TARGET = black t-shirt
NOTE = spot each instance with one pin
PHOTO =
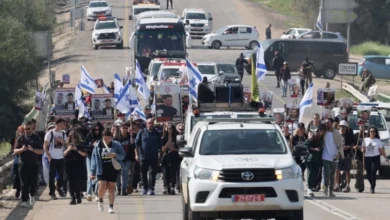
(168, 111)
(103, 151)
(89, 141)
(349, 140)
(29, 157)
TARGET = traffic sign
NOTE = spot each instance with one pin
(348, 69)
(340, 4)
(336, 16)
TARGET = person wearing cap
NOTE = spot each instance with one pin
(298, 139)
(148, 111)
(285, 75)
(345, 163)
(277, 64)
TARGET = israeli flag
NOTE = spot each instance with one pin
(261, 68)
(306, 102)
(140, 82)
(319, 21)
(138, 113)
(118, 86)
(133, 98)
(194, 79)
(123, 100)
(78, 96)
(83, 110)
(87, 83)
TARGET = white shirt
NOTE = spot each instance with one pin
(372, 146)
(330, 151)
(56, 149)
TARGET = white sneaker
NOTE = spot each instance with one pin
(310, 193)
(110, 210)
(24, 204)
(89, 198)
(100, 207)
(96, 199)
(32, 200)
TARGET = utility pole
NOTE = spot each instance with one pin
(74, 16)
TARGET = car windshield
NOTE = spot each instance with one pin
(196, 16)
(106, 25)
(169, 72)
(162, 40)
(155, 68)
(195, 120)
(206, 69)
(221, 30)
(374, 120)
(98, 4)
(242, 141)
(140, 10)
(226, 68)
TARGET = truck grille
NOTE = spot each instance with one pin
(106, 36)
(227, 192)
(99, 12)
(235, 175)
(197, 25)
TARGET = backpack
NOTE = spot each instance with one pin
(52, 136)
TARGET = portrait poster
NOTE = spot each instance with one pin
(326, 113)
(346, 106)
(292, 113)
(294, 87)
(168, 103)
(329, 96)
(278, 114)
(102, 108)
(99, 83)
(266, 97)
(363, 114)
(39, 100)
(64, 104)
(320, 97)
(65, 78)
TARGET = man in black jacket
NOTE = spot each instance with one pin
(277, 64)
(29, 147)
(240, 65)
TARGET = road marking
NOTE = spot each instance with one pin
(140, 208)
(332, 209)
(126, 27)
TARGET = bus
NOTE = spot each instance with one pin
(159, 38)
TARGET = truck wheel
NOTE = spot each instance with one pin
(329, 72)
(297, 215)
(217, 44)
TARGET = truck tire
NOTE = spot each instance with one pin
(329, 72)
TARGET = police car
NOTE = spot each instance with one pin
(200, 22)
(98, 8)
(106, 32)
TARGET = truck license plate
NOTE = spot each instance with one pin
(106, 41)
(248, 198)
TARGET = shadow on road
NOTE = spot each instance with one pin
(21, 212)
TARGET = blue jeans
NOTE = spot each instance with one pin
(90, 185)
(123, 179)
(284, 87)
(329, 170)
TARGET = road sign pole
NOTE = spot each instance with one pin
(348, 36)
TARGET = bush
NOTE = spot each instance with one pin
(371, 48)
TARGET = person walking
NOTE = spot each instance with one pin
(268, 32)
(330, 156)
(285, 75)
(373, 149)
(53, 146)
(133, 131)
(315, 145)
(307, 69)
(240, 61)
(148, 150)
(368, 80)
(345, 163)
(357, 159)
(28, 147)
(277, 64)
(76, 170)
(169, 1)
(106, 157)
(171, 158)
(298, 139)
(15, 169)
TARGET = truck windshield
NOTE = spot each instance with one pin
(242, 141)
(140, 10)
(162, 40)
(196, 16)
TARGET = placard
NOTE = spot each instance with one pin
(247, 94)
(101, 108)
(292, 113)
(363, 114)
(65, 78)
(99, 83)
(278, 114)
(348, 69)
(39, 100)
(329, 96)
(64, 105)
(294, 87)
(346, 106)
(266, 97)
(168, 102)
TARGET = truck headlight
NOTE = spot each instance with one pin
(205, 174)
(237, 79)
(289, 173)
(206, 25)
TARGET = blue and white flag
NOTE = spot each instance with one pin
(83, 110)
(140, 82)
(118, 86)
(261, 68)
(78, 95)
(123, 100)
(87, 83)
(138, 114)
(319, 21)
(194, 79)
(306, 102)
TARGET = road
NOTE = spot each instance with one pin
(103, 63)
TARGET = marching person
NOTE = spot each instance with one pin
(171, 158)
(148, 148)
(277, 64)
(268, 32)
(285, 75)
(76, 170)
(133, 131)
(368, 80)
(345, 163)
(28, 147)
(16, 178)
(373, 149)
(106, 153)
(169, 1)
(298, 139)
(358, 158)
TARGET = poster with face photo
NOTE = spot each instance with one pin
(64, 103)
(168, 102)
(329, 96)
(292, 113)
(39, 100)
(346, 106)
(294, 87)
(363, 114)
(278, 115)
(99, 83)
(326, 113)
(267, 99)
(102, 107)
(65, 78)
(320, 96)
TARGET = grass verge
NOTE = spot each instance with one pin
(345, 94)
(5, 148)
(284, 7)
(371, 48)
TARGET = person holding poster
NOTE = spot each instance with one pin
(99, 83)
(345, 106)
(267, 99)
(104, 115)
(64, 110)
(168, 103)
(294, 89)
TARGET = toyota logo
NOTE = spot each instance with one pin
(247, 176)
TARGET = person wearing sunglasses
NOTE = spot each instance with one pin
(373, 149)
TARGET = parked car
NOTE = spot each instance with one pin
(294, 32)
(325, 35)
(379, 66)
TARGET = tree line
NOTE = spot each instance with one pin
(372, 23)
(20, 67)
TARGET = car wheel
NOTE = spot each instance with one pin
(120, 46)
(253, 44)
(217, 44)
(184, 209)
(329, 72)
(95, 47)
(297, 215)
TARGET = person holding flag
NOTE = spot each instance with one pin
(87, 83)
(140, 82)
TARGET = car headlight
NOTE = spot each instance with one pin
(386, 142)
(206, 25)
(237, 79)
(205, 174)
(289, 173)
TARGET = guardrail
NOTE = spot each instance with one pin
(6, 175)
(355, 92)
(383, 98)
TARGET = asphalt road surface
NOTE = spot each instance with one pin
(103, 63)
